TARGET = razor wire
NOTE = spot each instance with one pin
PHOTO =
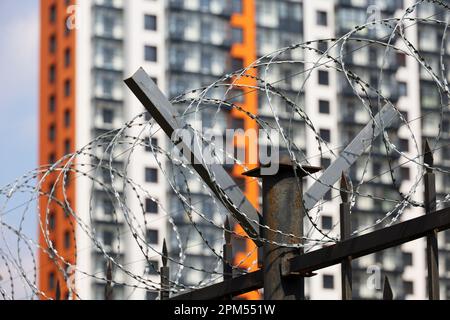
(106, 168)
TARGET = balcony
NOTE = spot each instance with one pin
(221, 8)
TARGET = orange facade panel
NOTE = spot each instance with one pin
(56, 138)
(246, 51)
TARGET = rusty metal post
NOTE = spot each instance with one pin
(108, 286)
(282, 210)
(345, 226)
(432, 242)
(165, 274)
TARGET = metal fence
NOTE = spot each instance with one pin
(284, 268)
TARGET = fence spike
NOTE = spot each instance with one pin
(428, 154)
(165, 254)
(387, 290)
(432, 249)
(58, 291)
(108, 286)
(165, 274)
(345, 188)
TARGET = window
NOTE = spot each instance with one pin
(52, 104)
(67, 240)
(108, 207)
(204, 5)
(67, 88)
(151, 175)
(403, 145)
(150, 22)
(328, 196)
(322, 46)
(152, 236)
(108, 25)
(108, 56)
(325, 134)
(237, 64)
(206, 28)
(152, 295)
(150, 53)
(51, 158)
(206, 62)
(52, 133)
(153, 267)
(51, 281)
(52, 13)
(67, 146)
(327, 222)
(237, 123)
(108, 86)
(150, 143)
(236, 6)
(67, 57)
(324, 77)
(447, 237)
(67, 210)
(51, 221)
(68, 179)
(405, 173)
(447, 264)
(376, 169)
(52, 73)
(108, 116)
(328, 281)
(405, 115)
(52, 45)
(408, 287)
(236, 95)
(408, 258)
(237, 35)
(151, 206)
(106, 176)
(108, 238)
(402, 89)
(324, 106)
(67, 118)
(325, 162)
(401, 59)
(322, 18)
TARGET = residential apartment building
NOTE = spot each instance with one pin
(189, 44)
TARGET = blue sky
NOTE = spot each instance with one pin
(19, 36)
(19, 54)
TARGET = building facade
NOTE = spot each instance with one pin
(189, 44)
